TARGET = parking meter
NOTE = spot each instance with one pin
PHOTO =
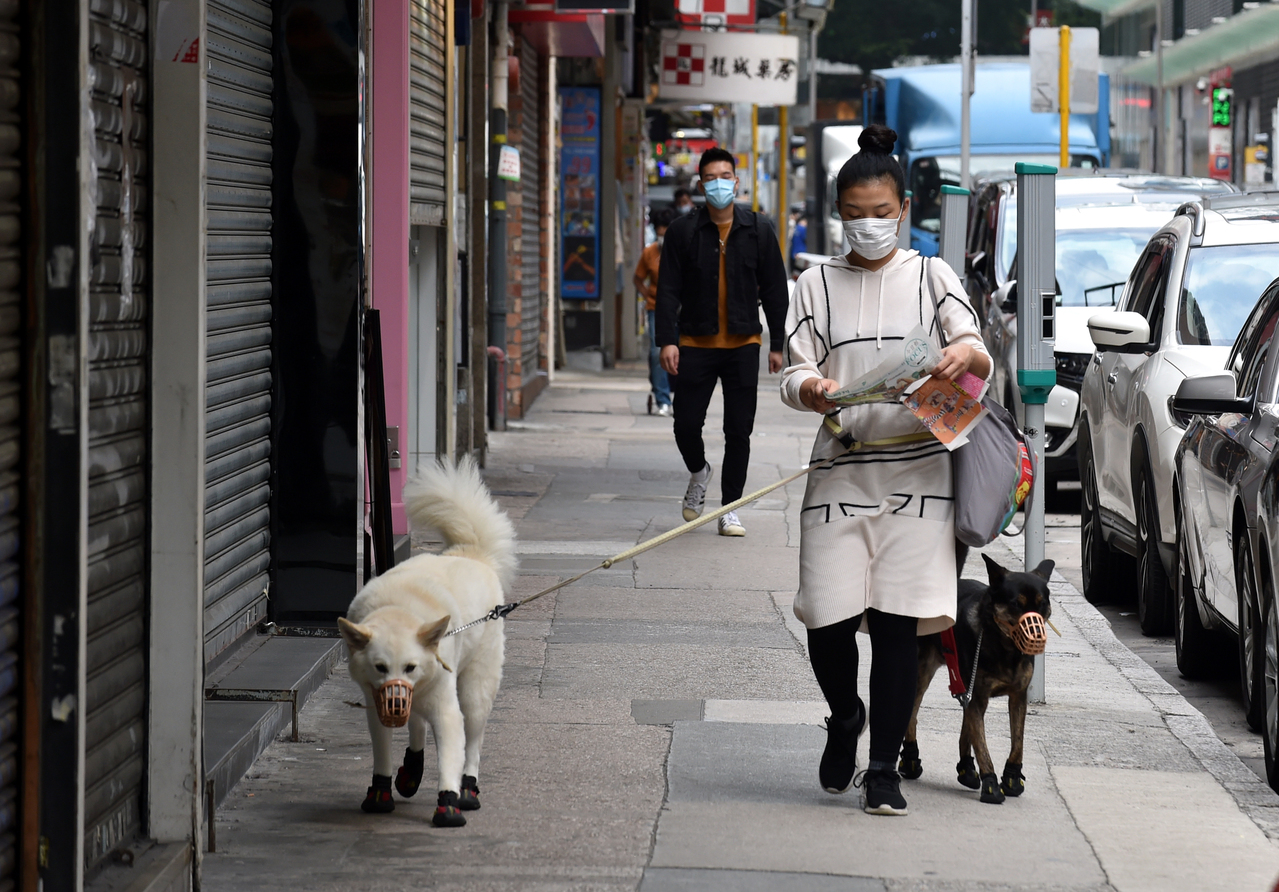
(1036, 335)
(954, 227)
(903, 234)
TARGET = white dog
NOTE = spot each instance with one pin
(401, 657)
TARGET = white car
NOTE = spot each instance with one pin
(1190, 291)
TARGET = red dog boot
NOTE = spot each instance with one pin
(469, 799)
(447, 814)
(378, 799)
(409, 777)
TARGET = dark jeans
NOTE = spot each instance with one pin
(893, 677)
(656, 374)
(737, 370)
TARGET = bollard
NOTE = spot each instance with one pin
(953, 240)
(1036, 334)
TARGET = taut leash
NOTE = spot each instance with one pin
(846, 440)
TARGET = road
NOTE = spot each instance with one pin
(1217, 698)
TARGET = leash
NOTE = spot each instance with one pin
(845, 440)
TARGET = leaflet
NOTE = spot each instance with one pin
(889, 381)
(949, 409)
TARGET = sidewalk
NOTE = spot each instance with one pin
(659, 727)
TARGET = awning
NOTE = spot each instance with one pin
(561, 34)
(1113, 9)
(1247, 39)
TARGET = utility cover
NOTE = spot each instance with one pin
(1085, 64)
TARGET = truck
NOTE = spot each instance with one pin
(922, 103)
(829, 145)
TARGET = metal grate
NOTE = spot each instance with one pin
(427, 53)
(531, 291)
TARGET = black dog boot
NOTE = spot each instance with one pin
(990, 791)
(469, 798)
(910, 767)
(447, 814)
(967, 771)
(378, 800)
(1014, 782)
(409, 777)
(839, 759)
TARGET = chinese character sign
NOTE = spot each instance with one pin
(704, 66)
(579, 193)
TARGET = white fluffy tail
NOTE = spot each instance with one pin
(454, 500)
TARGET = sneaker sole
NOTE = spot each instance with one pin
(690, 514)
(885, 810)
(737, 533)
(835, 792)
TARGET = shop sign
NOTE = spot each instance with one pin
(508, 164)
(579, 192)
(715, 13)
(704, 66)
(1220, 148)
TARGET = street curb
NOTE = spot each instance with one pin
(1187, 724)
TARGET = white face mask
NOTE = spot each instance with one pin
(873, 237)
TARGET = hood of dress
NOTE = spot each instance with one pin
(899, 259)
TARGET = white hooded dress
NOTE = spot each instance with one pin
(877, 526)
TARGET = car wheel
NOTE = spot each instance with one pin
(1250, 630)
(1270, 693)
(1099, 563)
(1154, 600)
(1189, 635)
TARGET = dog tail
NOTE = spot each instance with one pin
(453, 499)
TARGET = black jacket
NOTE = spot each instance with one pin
(688, 278)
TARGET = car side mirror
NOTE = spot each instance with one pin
(1210, 395)
(1120, 332)
(1006, 297)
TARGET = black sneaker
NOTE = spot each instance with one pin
(839, 759)
(881, 792)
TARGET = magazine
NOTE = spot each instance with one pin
(949, 409)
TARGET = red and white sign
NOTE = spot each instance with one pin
(715, 13)
(729, 66)
(684, 64)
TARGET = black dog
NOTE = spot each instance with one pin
(991, 612)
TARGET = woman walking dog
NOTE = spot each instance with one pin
(877, 542)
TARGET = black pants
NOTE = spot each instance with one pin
(893, 675)
(737, 369)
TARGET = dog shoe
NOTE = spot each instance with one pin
(839, 759)
(409, 777)
(881, 792)
(990, 791)
(378, 800)
(469, 798)
(1014, 782)
(447, 814)
(910, 766)
(967, 771)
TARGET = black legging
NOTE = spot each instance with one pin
(893, 675)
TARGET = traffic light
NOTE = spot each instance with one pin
(1223, 100)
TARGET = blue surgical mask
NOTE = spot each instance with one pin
(720, 192)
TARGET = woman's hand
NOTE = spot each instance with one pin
(955, 360)
(812, 393)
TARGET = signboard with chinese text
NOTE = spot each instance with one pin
(705, 66)
(579, 193)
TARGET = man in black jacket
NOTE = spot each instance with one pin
(719, 264)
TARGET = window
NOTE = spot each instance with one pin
(1251, 354)
(1219, 289)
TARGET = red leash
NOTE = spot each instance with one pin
(951, 652)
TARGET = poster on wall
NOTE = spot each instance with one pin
(579, 193)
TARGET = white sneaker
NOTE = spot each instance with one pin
(695, 495)
(729, 525)
(665, 410)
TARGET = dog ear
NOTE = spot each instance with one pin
(993, 570)
(1045, 570)
(357, 637)
(429, 635)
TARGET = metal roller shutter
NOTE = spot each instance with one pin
(530, 215)
(119, 419)
(238, 394)
(427, 53)
(10, 409)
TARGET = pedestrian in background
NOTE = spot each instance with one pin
(683, 201)
(877, 529)
(646, 284)
(799, 234)
(718, 266)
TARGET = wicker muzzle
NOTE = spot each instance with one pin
(395, 702)
(1030, 635)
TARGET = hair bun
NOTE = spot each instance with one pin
(877, 140)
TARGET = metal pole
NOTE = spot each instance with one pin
(966, 91)
(1036, 328)
(783, 155)
(754, 157)
(497, 217)
(1158, 149)
(812, 85)
(1063, 93)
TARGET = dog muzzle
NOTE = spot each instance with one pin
(395, 701)
(1029, 635)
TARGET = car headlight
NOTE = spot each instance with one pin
(1071, 368)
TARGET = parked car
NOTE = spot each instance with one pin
(1189, 293)
(1103, 222)
(1231, 441)
(1268, 583)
